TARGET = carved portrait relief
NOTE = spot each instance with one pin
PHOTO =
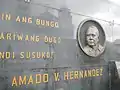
(91, 38)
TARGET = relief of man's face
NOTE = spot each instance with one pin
(92, 36)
